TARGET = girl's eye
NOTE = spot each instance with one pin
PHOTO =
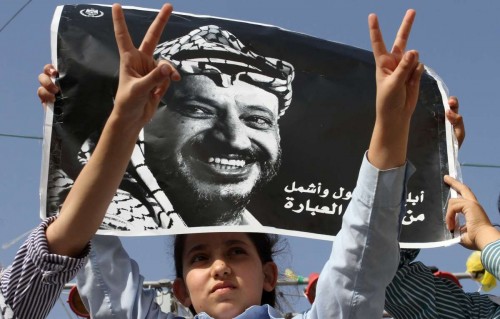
(237, 251)
(198, 258)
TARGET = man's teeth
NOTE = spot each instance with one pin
(225, 161)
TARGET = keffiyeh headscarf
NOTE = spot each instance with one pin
(218, 54)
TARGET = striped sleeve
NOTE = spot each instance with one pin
(490, 257)
(34, 281)
(415, 293)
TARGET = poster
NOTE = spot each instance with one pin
(266, 131)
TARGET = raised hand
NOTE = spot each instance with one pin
(397, 72)
(142, 81)
(398, 81)
(478, 230)
(48, 89)
(456, 120)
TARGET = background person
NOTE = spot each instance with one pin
(416, 293)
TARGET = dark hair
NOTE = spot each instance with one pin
(265, 245)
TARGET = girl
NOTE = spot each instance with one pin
(228, 275)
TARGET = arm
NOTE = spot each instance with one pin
(31, 285)
(111, 285)
(489, 258)
(365, 252)
(364, 256)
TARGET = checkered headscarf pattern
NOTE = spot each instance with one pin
(217, 53)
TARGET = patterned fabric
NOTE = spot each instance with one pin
(217, 53)
(490, 258)
(164, 211)
(415, 293)
(133, 208)
(34, 281)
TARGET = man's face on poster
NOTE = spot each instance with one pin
(215, 142)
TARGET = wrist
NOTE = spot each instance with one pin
(486, 236)
(388, 146)
(123, 127)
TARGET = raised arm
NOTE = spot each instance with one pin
(141, 85)
(365, 252)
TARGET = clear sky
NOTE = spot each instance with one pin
(459, 39)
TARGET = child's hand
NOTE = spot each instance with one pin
(397, 72)
(456, 120)
(47, 90)
(143, 81)
(398, 81)
(478, 230)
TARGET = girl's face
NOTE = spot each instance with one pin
(223, 274)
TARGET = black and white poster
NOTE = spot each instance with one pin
(265, 132)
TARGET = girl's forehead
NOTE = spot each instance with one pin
(215, 239)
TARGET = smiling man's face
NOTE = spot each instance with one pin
(213, 144)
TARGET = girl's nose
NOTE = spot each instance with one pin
(220, 269)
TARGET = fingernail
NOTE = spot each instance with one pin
(164, 69)
(176, 76)
(410, 56)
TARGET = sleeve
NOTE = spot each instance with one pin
(32, 284)
(490, 257)
(415, 293)
(365, 252)
(112, 287)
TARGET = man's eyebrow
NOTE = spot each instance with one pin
(262, 108)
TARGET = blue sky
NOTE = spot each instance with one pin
(457, 38)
